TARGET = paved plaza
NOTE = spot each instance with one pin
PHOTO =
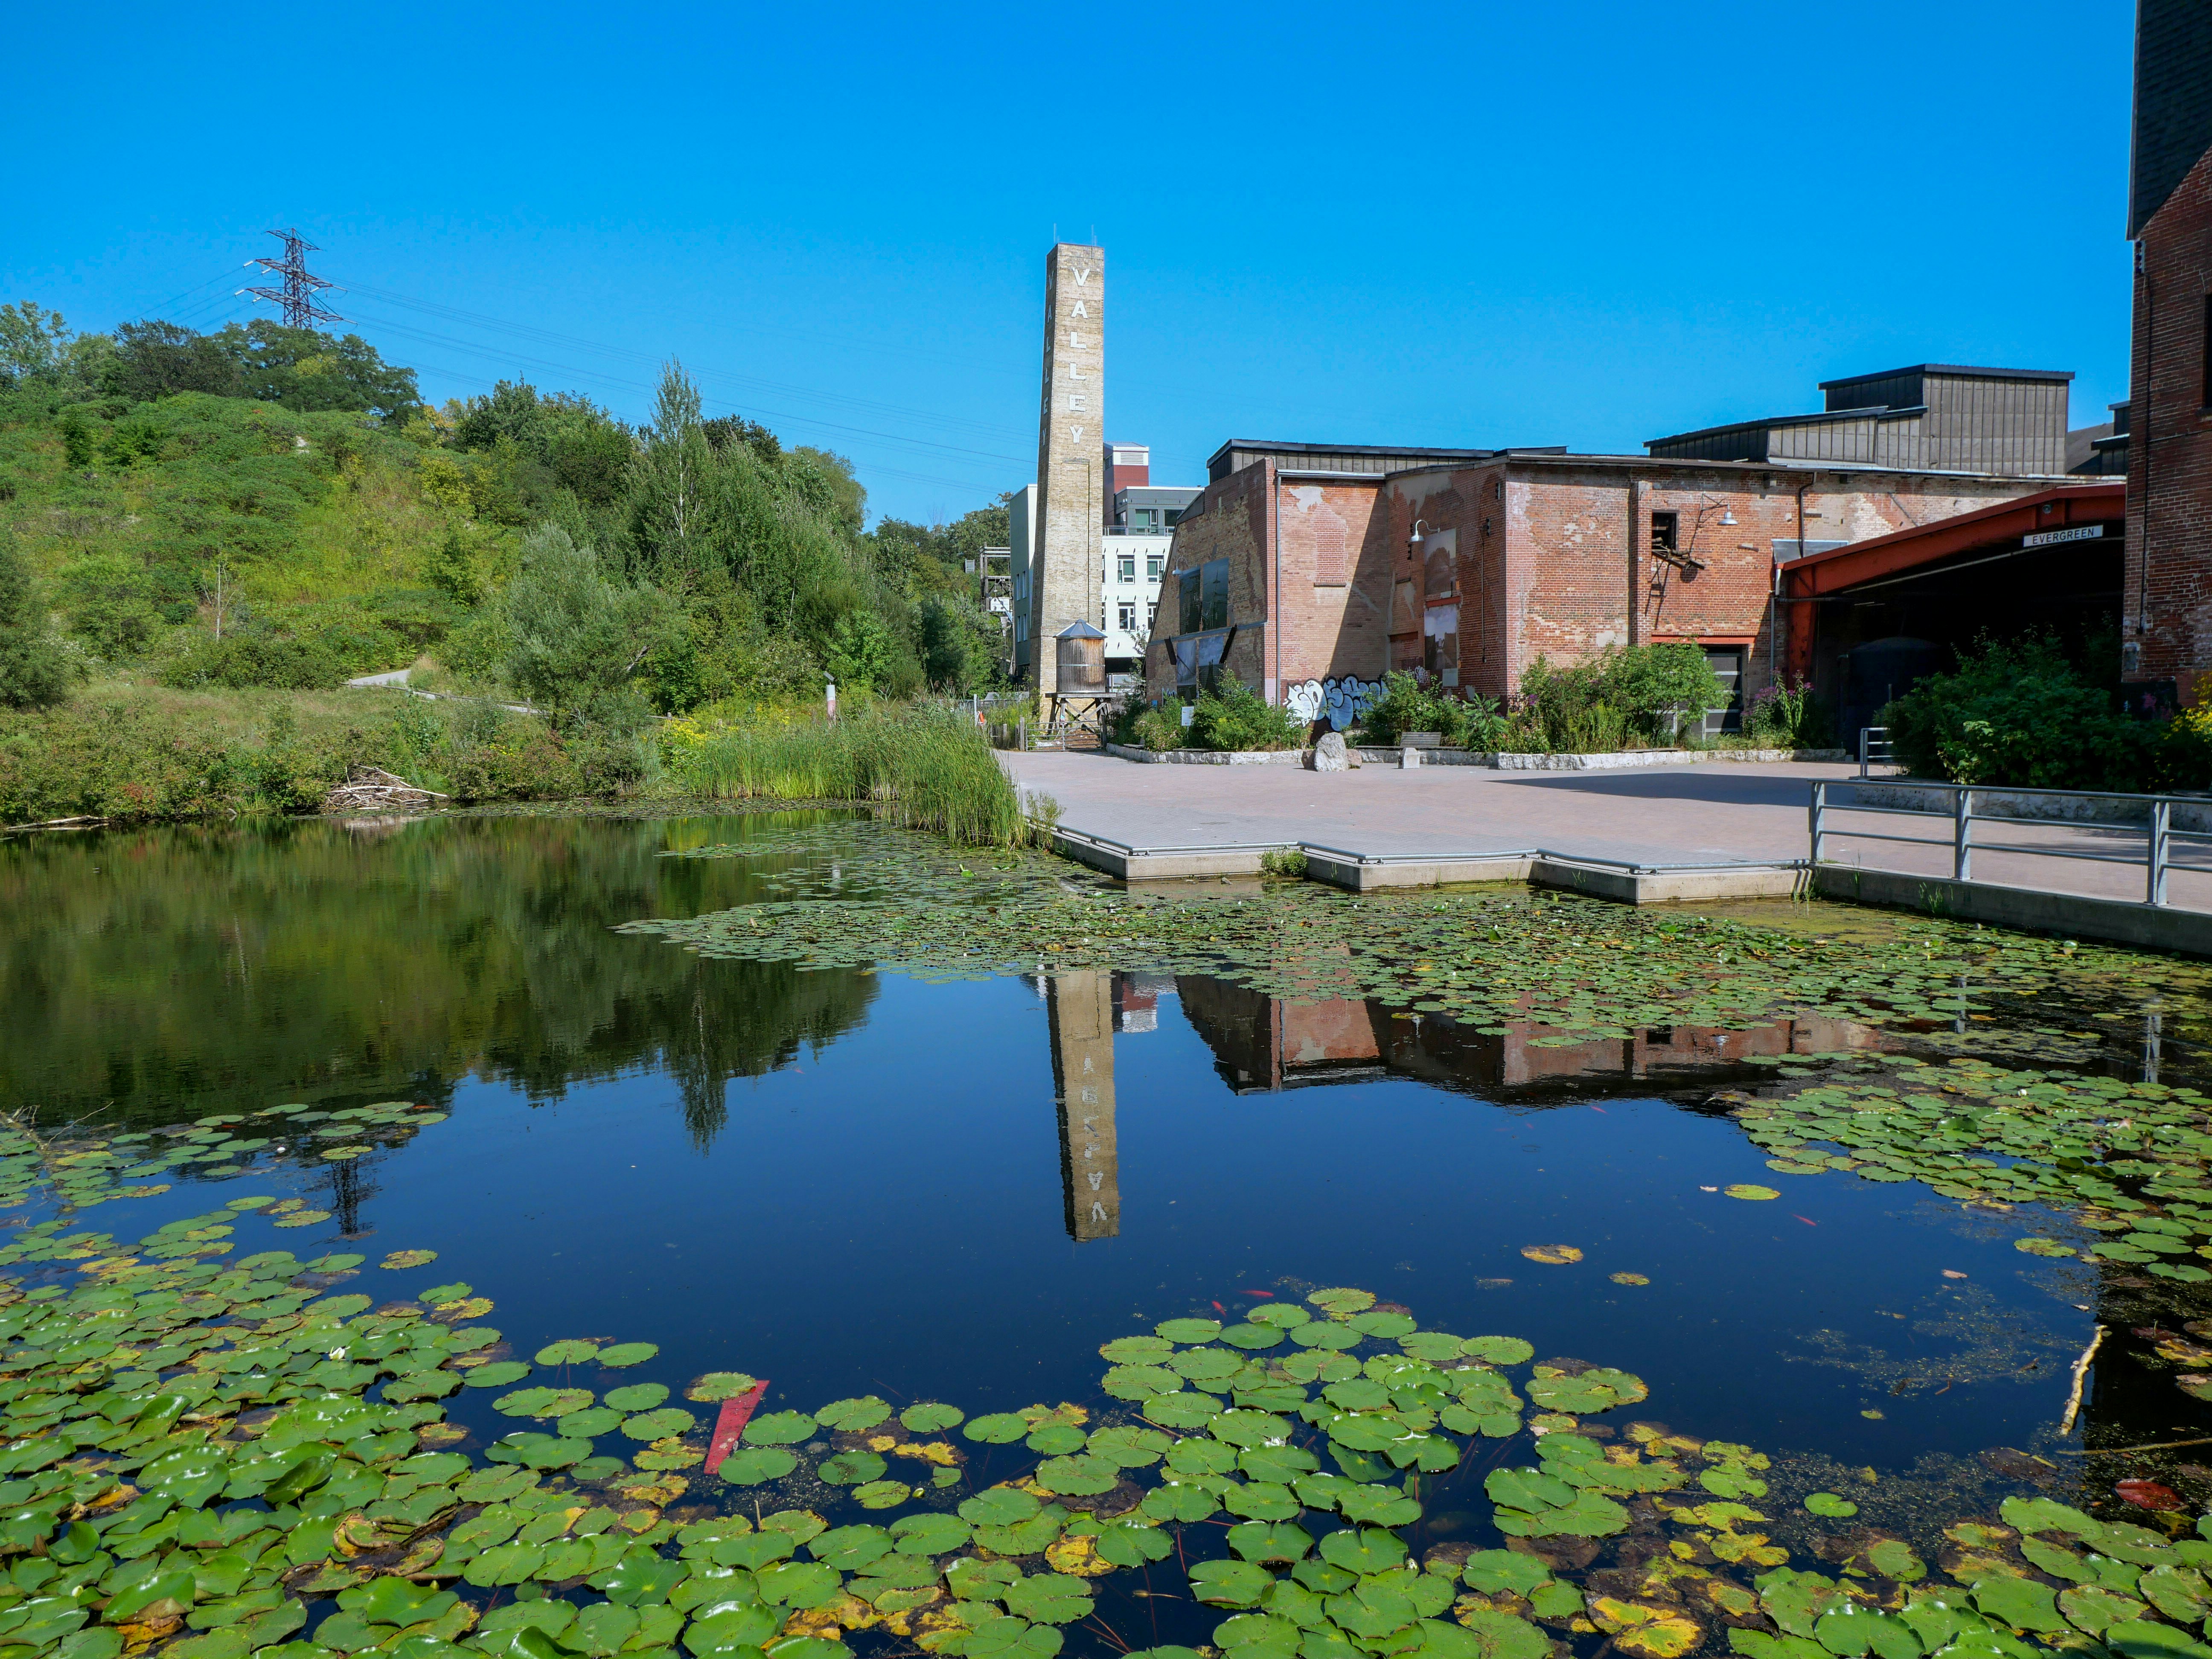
(1710, 813)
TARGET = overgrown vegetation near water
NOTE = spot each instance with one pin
(216, 1457)
(276, 510)
(926, 767)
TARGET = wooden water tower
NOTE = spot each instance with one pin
(1078, 701)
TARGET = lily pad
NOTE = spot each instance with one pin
(714, 1385)
(929, 1416)
(779, 1428)
(1747, 1189)
(1343, 1300)
(636, 1397)
(496, 1374)
(1555, 1256)
(624, 1354)
(851, 1469)
(750, 1466)
(1828, 1504)
(1499, 1350)
(1188, 1330)
(997, 1428)
(568, 1352)
(864, 1413)
(881, 1494)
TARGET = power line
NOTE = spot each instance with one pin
(505, 354)
(550, 338)
(297, 293)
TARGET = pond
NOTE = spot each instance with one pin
(1245, 1266)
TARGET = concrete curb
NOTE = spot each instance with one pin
(1211, 756)
(1366, 873)
(2075, 916)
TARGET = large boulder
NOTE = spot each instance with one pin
(1330, 755)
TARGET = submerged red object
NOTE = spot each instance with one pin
(737, 1412)
(2149, 1495)
(1265, 1293)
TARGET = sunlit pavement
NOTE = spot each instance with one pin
(1713, 812)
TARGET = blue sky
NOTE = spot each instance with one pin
(1464, 225)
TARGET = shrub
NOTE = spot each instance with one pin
(1159, 729)
(1789, 716)
(1470, 721)
(238, 661)
(1236, 719)
(36, 670)
(1616, 699)
(518, 759)
(126, 761)
(2017, 712)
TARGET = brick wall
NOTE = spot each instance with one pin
(2167, 617)
(1523, 558)
(1227, 521)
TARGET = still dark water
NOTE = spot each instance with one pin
(853, 1182)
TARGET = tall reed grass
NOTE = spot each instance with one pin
(920, 764)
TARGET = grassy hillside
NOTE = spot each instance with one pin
(201, 537)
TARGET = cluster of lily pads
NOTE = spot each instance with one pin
(2129, 1160)
(875, 896)
(88, 1168)
(212, 1457)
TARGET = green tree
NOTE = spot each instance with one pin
(828, 483)
(671, 499)
(960, 645)
(579, 638)
(34, 668)
(861, 654)
(33, 343)
(154, 359)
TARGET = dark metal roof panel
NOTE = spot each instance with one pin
(2173, 102)
(1980, 371)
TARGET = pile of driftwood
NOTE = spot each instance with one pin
(371, 789)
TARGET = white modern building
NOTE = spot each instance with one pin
(1141, 519)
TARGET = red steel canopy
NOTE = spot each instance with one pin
(2001, 528)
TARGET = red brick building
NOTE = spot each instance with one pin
(1310, 571)
(2166, 643)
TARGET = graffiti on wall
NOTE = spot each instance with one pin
(1339, 701)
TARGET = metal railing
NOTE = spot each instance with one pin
(1876, 749)
(2156, 858)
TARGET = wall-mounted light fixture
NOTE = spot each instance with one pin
(1727, 516)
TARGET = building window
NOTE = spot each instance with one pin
(1186, 607)
(1128, 566)
(1665, 527)
(1143, 518)
(1726, 662)
(1214, 594)
(1128, 618)
(1172, 516)
(1151, 567)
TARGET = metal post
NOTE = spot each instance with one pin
(1819, 819)
(1962, 837)
(2161, 828)
(1864, 733)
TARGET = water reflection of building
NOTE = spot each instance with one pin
(1261, 1043)
(1081, 1011)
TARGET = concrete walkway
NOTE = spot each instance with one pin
(1717, 813)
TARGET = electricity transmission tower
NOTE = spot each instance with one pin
(300, 285)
